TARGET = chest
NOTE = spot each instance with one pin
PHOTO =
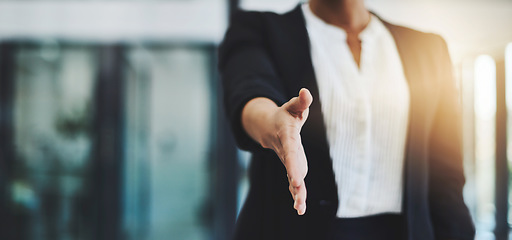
(378, 82)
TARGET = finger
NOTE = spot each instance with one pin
(298, 105)
(301, 192)
(294, 159)
(300, 196)
(305, 98)
(297, 169)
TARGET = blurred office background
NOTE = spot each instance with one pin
(111, 125)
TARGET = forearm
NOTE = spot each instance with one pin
(257, 117)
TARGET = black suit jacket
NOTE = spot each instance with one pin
(268, 55)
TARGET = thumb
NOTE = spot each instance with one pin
(298, 105)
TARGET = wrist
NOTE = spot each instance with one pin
(269, 133)
(258, 120)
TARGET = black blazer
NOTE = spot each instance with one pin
(268, 55)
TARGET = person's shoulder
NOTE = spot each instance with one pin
(414, 35)
(242, 13)
(254, 18)
(245, 24)
(400, 29)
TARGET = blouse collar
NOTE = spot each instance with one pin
(313, 22)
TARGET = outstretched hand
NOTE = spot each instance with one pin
(280, 131)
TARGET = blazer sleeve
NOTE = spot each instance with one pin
(246, 71)
(450, 215)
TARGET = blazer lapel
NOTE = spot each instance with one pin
(313, 132)
(303, 75)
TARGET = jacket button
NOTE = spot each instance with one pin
(325, 203)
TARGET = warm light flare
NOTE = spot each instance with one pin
(485, 117)
(508, 76)
(485, 87)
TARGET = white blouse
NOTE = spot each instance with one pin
(366, 115)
